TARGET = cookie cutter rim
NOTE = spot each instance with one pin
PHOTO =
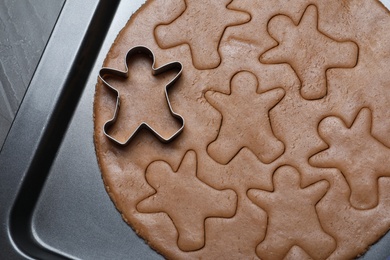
(140, 49)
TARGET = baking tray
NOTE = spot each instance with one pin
(52, 201)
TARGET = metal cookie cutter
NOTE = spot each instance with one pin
(155, 71)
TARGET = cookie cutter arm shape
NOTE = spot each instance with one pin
(155, 71)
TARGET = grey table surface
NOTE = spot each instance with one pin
(25, 28)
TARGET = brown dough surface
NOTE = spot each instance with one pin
(285, 152)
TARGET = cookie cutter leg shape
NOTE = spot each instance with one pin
(155, 71)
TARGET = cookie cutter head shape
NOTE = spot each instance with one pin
(155, 71)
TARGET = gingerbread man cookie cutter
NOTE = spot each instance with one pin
(155, 71)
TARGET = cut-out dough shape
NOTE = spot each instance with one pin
(138, 123)
(245, 120)
(360, 157)
(292, 217)
(308, 51)
(186, 200)
(201, 25)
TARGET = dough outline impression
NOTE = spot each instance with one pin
(310, 69)
(210, 58)
(125, 74)
(243, 86)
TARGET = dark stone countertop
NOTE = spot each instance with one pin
(25, 28)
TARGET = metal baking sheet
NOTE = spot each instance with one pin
(53, 203)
